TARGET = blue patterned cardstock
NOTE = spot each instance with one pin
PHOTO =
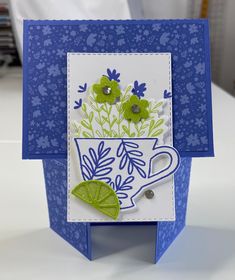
(46, 44)
(79, 235)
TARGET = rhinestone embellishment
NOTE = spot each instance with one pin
(135, 109)
(149, 194)
(107, 90)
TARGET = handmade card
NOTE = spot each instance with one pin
(116, 110)
(120, 156)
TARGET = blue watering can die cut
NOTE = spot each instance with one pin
(120, 132)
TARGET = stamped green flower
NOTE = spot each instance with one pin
(106, 91)
(135, 109)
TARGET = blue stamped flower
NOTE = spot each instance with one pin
(78, 104)
(113, 75)
(82, 88)
(139, 89)
(167, 94)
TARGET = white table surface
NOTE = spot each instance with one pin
(30, 250)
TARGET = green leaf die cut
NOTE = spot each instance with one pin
(135, 109)
(106, 91)
(99, 195)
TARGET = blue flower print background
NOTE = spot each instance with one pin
(79, 234)
(168, 231)
(46, 44)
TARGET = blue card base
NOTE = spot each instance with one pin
(79, 234)
(168, 231)
(46, 44)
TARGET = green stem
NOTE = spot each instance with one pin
(123, 98)
(137, 129)
(92, 130)
(94, 103)
(108, 116)
(129, 128)
(141, 125)
(119, 108)
(149, 133)
(101, 122)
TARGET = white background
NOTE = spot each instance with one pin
(153, 69)
(30, 250)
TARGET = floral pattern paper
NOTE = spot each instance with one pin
(45, 79)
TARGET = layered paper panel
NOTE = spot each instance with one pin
(120, 156)
(46, 44)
